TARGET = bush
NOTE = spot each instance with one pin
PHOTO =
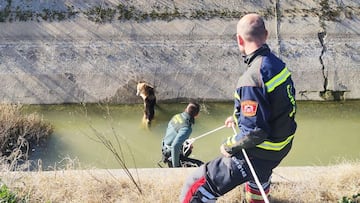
(352, 199)
(6, 195)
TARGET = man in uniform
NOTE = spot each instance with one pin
(264, 110)
(177, 132)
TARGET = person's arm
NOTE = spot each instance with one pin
(183, 134)
(252, 114)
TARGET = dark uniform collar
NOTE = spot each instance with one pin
(260, 51)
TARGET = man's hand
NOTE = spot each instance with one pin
(224, 152)
(229, 122)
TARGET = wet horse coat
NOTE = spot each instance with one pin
(147, 93)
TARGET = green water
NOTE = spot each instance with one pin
(327, 132)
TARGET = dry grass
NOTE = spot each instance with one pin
(327, 184)
(19, 133)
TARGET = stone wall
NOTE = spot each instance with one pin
(73, 51)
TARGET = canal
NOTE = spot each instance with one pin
(328, 132)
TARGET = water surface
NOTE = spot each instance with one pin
(327, 132)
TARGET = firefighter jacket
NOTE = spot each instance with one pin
(264, 108)
(178, 130)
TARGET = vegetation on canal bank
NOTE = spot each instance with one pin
(19, 134)
(339, 183)
(129, 11)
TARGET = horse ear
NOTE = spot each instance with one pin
(147, 84)
(144, 84)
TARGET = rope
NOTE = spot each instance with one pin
(188, 142)
(266, 200)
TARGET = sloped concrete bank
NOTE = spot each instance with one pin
(74, 51)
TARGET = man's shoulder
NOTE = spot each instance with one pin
(251, 77)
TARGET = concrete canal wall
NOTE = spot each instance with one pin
(73, 51)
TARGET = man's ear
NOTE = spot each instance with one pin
(266, 34)
(240, 40)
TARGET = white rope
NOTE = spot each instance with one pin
(188, 142)
(266, 200)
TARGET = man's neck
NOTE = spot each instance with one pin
(252, 47)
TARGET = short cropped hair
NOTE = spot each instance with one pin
(252, 29)
(193, 109)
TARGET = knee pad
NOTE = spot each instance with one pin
(253, 194)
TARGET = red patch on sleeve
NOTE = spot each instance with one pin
(249, 108)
